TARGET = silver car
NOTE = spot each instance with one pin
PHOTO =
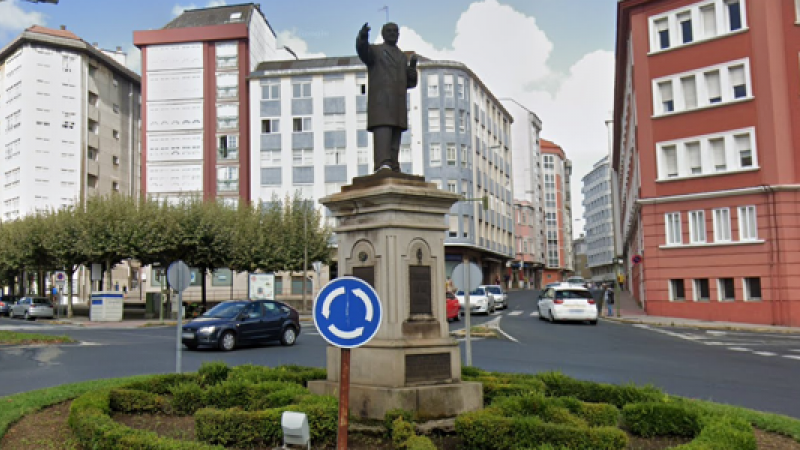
(498, 295)
(479, 299)
(5, 307)
(32, 307)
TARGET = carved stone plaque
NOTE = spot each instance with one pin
(427, 367)
(419, 278)
(366, 273)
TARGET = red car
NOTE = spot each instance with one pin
(453, 308)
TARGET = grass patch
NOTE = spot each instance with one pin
(775, 423)
(477, 331)
(15, 338)
(159, 324)
(14, 407)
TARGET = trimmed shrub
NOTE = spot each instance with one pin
(401, 432)
(724, 433)
(188, 398)
(291, 373)
(661, 419)
(211, 373)
(598, 414)
(485, 429)
(559, 385)
(162, 384)
(419, 443)
(391, 415)
(548, 409)
(237, 428)
(323, 417)
(272, 394)
(228, 394)
(471, 372)
(134, 401)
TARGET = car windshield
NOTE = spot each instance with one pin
(573, 294)
(225, 310)
(494, 290)
(478, 291)
(41, 301)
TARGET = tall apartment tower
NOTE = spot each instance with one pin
(557, 170)
(527, 183)
(707, 152)
(70, 114)
(598, 210)
(309, 138)
(196, 114)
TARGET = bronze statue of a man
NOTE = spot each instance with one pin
(390, 75)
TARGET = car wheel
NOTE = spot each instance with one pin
(191, 346)
(289, 336)
(552, 319)
(593, 322)
(458, 316)
(227, 341)
(541, 316)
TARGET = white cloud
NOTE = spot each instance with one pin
(510, 53)
(299, 46)
(13, 18)
(177, 10)
(133, 59)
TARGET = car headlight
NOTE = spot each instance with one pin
(206, 330)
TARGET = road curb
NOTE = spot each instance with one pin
(701, 326)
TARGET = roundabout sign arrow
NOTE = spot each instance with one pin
(347, 312)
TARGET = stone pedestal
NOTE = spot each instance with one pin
(391, 234)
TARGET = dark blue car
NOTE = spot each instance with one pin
(238, 322)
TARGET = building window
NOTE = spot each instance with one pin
(464, 155)
(434, 120)
(93, 99)
(115, 160)
(302, 157)
(226, 54)
(667, 101)
(722, 225)
(115, 108)
(685, 25)
(752, 289)
(697, 227)
(673, 228)
(718, 154)
(361, 85)
(271, 158)
(228, 147)
(333, 87)
(335, 156)
(676, 291)
(451, 154)
(270, 126)
(689, 88)
(333, 122)
(701, 290)
(227, 85)
(405, 154)
(301, 89)
(738, 83)
(669, 155)
(462, 120)
(460, 86)
(362, 156)
(227, 116)
(115, 134)
(748, 228)
(693, 158)
(435, 154)
(271, 90)
(452, 186)
(726, 290)
(115, 186)
(301, 124)
(708, 15)
(734, 14)
(744, 150)
(713, 87)
(449, 120)
(361, 121)
(662, 33)
(91, 154)
(227, 179)
(433, 85)
(448, 85)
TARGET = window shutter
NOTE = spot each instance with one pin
(693, 154)
(665, 89)
(227, 80)
(670, 161)
(737, 75)
(689, 92)
(709, 17)
(712, 84)
(226, 50)
(742, 142)
(718, 153)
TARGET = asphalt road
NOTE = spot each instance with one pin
(746, 369)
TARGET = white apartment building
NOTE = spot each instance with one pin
(527, 182)
(70, 122)
(309, 137)
(598, 218)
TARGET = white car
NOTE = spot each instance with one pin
(479, 299)
(567, 302)
(498, 295)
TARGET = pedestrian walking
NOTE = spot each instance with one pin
(609, 300)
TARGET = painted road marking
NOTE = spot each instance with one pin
(514, 313)
(536, 314)
(792, 357)
(765, 353)
(739, 349)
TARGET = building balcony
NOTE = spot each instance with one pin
(92, 168)
(227, 185)
(228, 154)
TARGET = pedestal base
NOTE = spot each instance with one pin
(429, 402)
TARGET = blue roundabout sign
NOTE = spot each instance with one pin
(347, 312)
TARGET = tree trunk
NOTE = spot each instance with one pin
(70, 273)
(233, 276)
(110, 285)
(203, 287)
(23, 283)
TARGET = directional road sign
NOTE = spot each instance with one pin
(347, 312)
(467, 281)
(179, 276)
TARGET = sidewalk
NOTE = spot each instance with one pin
(631, 312)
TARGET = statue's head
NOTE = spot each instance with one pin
(390, 33)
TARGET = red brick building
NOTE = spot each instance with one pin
(706, 157)
(556, 173)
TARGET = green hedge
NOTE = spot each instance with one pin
(135, 401)
(239, 428)
(497, 384)
(489, 429)
(662, 419)
(559, 385)
(187, 398)
(565, 410)
(724, 433)
(291, 373)
(211, 373)
(94, 429)
(163, 384)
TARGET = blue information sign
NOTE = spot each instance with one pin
(347, 312)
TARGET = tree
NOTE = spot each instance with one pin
(62, 242)
(108, 226)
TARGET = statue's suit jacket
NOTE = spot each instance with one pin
(389, 78)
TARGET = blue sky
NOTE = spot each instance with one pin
(553, 56)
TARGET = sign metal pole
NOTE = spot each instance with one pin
(344, 399)
(468, 314)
